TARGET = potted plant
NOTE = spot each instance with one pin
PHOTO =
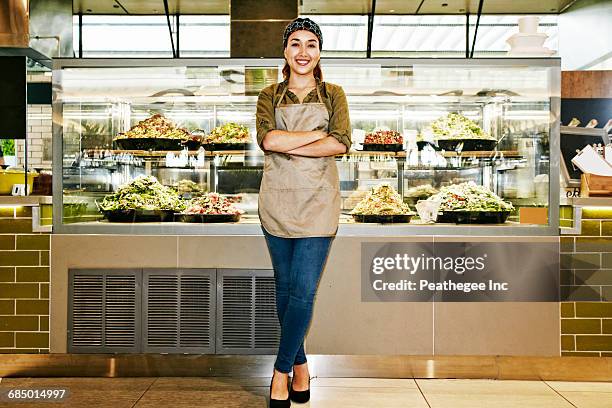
(8, 151)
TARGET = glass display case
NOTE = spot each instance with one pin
(492, 124)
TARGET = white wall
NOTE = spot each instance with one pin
(39, 132)
(585, 34)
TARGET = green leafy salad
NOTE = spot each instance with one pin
(228, 133)
(382, 200)
(456, 126)
(143, 193)
(470, 197)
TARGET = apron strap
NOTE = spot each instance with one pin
(282, 96)
(319, 92)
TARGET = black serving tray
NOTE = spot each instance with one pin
(206, 218)
(473, 217)
(225, 146)
(469, 145)
(421, 145)
(138, 215)
(382, 147)
(383, 219)
(191, 144)
(148, 143)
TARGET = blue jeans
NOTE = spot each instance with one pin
(297, 263)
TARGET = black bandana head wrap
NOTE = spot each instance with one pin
(302, 24)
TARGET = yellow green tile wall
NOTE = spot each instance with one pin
(24, 283)
(586, 285)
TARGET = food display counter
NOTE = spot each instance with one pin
(472, 144)
(430, 129)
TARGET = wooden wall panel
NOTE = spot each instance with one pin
(586, 84)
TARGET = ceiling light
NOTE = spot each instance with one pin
(391, 11)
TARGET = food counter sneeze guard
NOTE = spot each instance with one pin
(167, 146)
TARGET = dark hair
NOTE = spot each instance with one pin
(318, 74)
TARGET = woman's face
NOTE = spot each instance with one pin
(302, 52)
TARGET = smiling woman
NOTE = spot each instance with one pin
(302, 49)
(302, 123)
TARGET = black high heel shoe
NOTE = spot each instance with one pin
(275, 403)
(299, 396)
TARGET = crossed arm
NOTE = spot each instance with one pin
(314, 143)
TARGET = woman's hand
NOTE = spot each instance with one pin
(282, 141)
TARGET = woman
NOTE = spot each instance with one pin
(302, 123)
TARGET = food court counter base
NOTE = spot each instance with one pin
(342, 323)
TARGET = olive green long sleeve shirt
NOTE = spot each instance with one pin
(333, 97)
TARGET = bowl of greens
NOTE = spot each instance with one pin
(455, 132)
(468, 202)
(144, 199)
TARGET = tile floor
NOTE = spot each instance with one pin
(170, 392)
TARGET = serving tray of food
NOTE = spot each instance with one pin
(455, 132)
(473, 217)
(154, 133)
(142, 143)
(138, 215)
(467, 145)
(469, 203)
(382, 204)
(206, 218)
(225, 146)
(381, 147)
(209, 208)
(383, 219)
(144, 199)
(229, 136)
(383, 141)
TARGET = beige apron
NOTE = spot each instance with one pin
(300, 196)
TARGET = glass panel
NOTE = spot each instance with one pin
(442, 109)
(444, 35)
(343, 36)
(419, 35)
(494, 30)
(126, 36)
(205, 36)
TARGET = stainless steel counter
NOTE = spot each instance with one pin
(252, 227)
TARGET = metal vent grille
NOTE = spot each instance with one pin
(162, 311)
(120, 311)
(196, 311)
(237, 306)
(179, 311)
(246, 307)
(104, 311)
(88, 309)
(267, 328)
